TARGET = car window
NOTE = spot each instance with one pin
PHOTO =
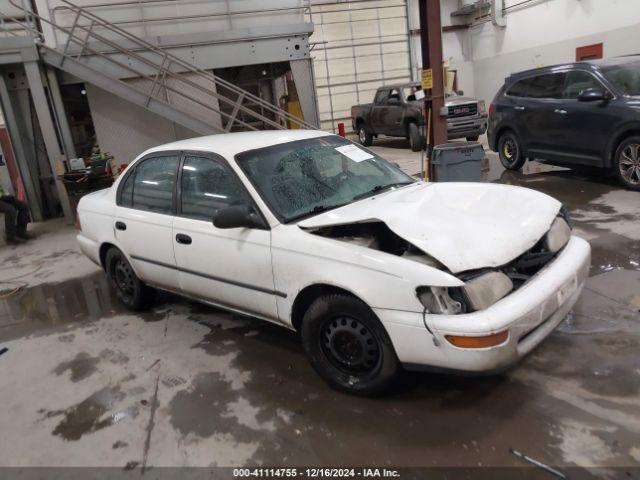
(126, 194)
(206, 187)
(296, 178)
(578, 81)
(154, 183)
(381, 96)
(549, 85)
(625, 77)
(395, 94)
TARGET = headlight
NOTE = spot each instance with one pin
(482, 107)
(487, 289)
(438, 300)
(558, 235)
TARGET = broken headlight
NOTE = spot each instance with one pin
(558, 235)
(438, 300)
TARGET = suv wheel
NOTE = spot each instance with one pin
(364, 138)
(627, 163)
(348, 346)
(129, 289)
(510, 151)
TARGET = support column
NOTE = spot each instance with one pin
(47, 127)
(302, 71)
(60, 114)
(431, 42)
(31, 189)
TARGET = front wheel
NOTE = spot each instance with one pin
(510, 151)
(347, 345)
(130, 290)
(364, 138)
(627, 163)
(415, 137)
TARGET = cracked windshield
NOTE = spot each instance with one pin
(305, 177)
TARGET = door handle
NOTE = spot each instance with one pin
(121, 226)
(519, 108)
(560, 111)
(183, 239)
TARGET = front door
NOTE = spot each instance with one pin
(230, 267)
(144, 218)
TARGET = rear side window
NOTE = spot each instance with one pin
(153, 184)
(381, 96)
(549, 85)
(577, 82)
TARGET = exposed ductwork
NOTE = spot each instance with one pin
(497, 13)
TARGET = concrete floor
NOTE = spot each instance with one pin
(85, 383)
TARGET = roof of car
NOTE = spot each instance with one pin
(586, 64)
(230, 144)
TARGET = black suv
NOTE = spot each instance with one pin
(584, 113)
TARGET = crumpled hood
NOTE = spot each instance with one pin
(465, 226)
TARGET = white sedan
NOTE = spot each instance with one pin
(375, 270)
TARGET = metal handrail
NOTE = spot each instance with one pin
(162, 69)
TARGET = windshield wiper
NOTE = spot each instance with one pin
(315, 210)
(380, 188)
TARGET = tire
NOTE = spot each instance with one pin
(364, 138)
(129, 289)
(415, 137)
(626, 163)
(473, 138)
(348, 347)
(510, 151)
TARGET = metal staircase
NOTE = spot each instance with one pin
(130, 67)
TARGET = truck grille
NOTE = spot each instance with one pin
(463, 110)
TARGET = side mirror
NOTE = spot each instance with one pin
(593, 95)
(237, 216)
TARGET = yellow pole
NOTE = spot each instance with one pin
(427, 170)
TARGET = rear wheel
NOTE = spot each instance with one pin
(510, 151)
(415, 137)
(627, 163)
(364, 138)
(130, 290)
(348, 346)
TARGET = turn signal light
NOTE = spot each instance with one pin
(478, 342)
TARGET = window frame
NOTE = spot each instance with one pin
(132, 171)
(224, 163)
(604, 87)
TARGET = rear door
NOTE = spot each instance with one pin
(230, 267)
(378, 110)
(144, 218)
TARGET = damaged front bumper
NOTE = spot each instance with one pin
(528, 315)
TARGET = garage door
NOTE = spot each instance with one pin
(357, 46)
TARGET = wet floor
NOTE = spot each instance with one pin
(85, 382)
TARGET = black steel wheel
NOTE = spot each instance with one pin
(510, 151)
(627, 163)
(348, 346)
(129, 289)
(415, 137)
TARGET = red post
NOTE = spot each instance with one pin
(341, 130)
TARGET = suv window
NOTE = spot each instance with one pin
(153, 184)
(578, 81)
(549, 85)
(381, 96)
(206, 187)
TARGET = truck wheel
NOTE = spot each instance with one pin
(415, 138)
(365, 138)
(510, 151)
(347, 345)
(627, 163)
(130, 290)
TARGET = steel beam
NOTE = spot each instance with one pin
(31, 190)
(431, 42)
(47, 127)
(60, 114)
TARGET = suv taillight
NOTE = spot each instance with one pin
(492, 108)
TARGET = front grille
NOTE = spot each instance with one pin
(463, 110)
